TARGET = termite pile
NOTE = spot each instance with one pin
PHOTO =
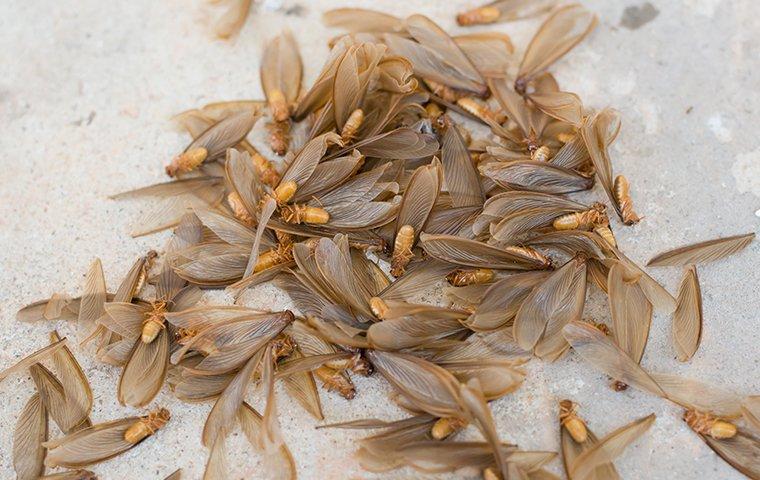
(380, 196)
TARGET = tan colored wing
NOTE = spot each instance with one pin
(175, 475)
(437, 40)
(535, 176)
(598, 132)
(420, 196)
(489, 52)
(610, 447)
(305, 162)
(693, 394)
(605, 356)
(90, 445)
(302, 387)
(571, 450)
(233, 19)
(222, 417)
(429, 387)
(359, 20)
(563, 106)
(751, 411)
(216, 465)
(93, 299)
(503, 299)
(402, 143)
(71, 475)
(471, 253)
(33, 358)
(477, 407)
(280, 463)
(741, 452)
(145, 371)
(551, 305)
(58, 306)
(461, 178)
(225, 134)
(126, 319)
(409, 331)
(631, 312)
(703, 252)
(30, 433)
(55, 400)
(281, 67)
(505, 11)
(559, 33)
(687, 319)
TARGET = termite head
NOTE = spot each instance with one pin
(445, 427)
(282, 346)
(708, 424)
(187, 161)
(285, 191)
(479, 16)
(571, 422)
(154, 322)
(379, 307)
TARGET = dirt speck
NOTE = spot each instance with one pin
(636, 16)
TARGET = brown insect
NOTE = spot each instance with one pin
(571, 421)
(585, 220)
(477, 276)
(402, 250)
(304, 214)
(445, 427)
(352, 125)
(103, 441)
(281, 72)
(478, 109)
(708, 424)
(504, 11)
(337, 381)
(622, 190)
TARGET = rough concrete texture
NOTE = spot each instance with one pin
(86, 93)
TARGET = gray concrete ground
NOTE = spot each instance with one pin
(86, 92)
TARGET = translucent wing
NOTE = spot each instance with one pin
(609, 447)
(233, 18)
(462, 251)
(362, 20)
(428, 386)
(420, 197)
(741, 452)
(703, 252)
(603, 355)
(225, 134)
(631, 312)
(90, 445)
(687, 319)
(535, 176)
(559, 33)
(503, 299)
(30, 433)
(33, 358)
(145, 371)
(461, 178)
(281, 67)
(552, 304)
(301, 386)
(93, 299)
(693, 394)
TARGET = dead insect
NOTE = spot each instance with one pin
(585, 220)
(443, 428)
(352, 125)
(281, 72)
(504, 11)
(478, 109)
(103, 441)
(571, 421)
(622, 190)
(402, 250)
(708, 424)
(304, 214)
(477, 276)
(336, 381)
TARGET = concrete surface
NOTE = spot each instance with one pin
(86, 92)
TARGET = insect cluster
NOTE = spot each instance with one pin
(377, 175)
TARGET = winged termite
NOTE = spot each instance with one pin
(631, 312)
(559, 33)
(622, 191)
(584, 220)
(103, 441)
(29, 436)
(476, 276)
(417, 202)
(702, 252)
(281, 80)
(535, 176)
(504, 11)
(604, 451)
(213, 143)
(576, 439)
(571, 422)
(687, 318)
(471, 253)
(549, 307)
